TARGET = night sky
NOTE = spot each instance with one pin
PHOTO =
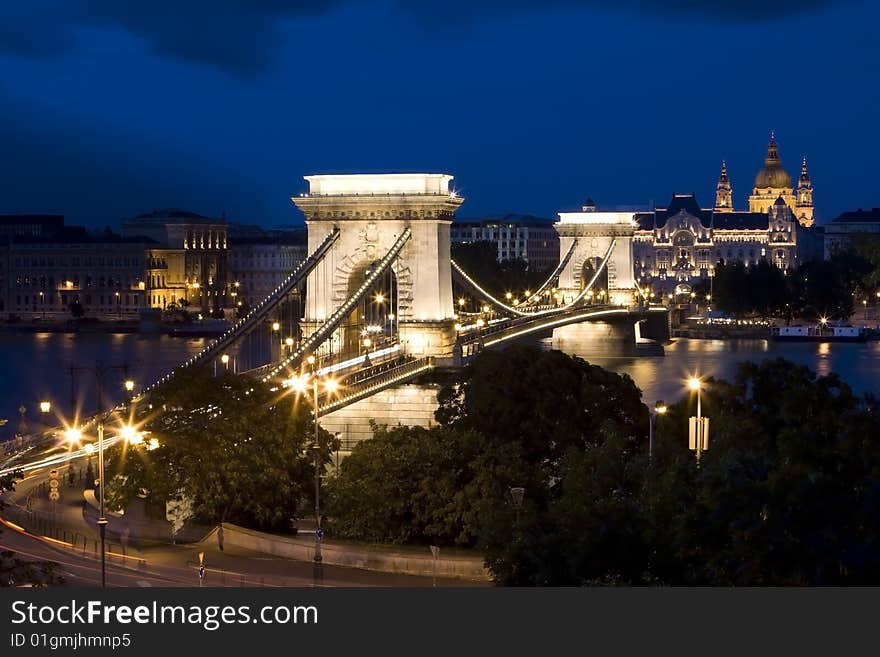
(219, 107)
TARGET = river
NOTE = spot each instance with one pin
(37, 367)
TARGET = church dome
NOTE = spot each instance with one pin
(773, 175)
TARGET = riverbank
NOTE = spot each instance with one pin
(197, 329)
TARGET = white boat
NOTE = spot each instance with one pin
(819, 333)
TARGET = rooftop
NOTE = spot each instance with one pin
(379, 184)
(858, 216)
(174, 215)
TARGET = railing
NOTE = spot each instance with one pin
(332, 323)
(471, 341)
(384, 379)
(258, 313)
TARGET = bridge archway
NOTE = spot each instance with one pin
(588, 271)
(376, 316)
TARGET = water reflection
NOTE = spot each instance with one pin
(37, 365)
(663, 377)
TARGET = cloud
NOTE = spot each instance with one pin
(242, 37)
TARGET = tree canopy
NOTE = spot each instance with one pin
(788, 492)
(238, 451)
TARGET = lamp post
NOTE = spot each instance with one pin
(698, 436)
(367, 342)
(99, 372)
(42, 305)
(317, 558)
(517, 493)
(102, 519)
(299, 385)
(659, 409)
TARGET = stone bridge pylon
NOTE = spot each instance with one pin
(595, 232)
(372, 211)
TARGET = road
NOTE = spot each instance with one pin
(163, 564)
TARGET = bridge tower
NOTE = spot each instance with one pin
(594, 232)
(372, 211)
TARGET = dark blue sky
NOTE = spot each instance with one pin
(109, 110)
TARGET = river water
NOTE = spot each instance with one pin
(36, 367)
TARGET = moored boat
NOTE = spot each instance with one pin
(819, 333)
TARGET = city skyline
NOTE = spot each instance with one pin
(112, 113)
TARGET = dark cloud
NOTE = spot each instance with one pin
(238, 36)
(243, 36)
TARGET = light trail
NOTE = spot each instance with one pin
(57, 460)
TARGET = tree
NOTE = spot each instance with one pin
(867, 247)
(514, 422)
(406, 485)
(787, 494)
(236, 449)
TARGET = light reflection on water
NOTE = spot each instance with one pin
(663, 377)
(36, 365)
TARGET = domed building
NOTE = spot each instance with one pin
(773, 182)
(677, 246)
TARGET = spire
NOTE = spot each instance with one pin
(723, 191)
(804, 180)
(772, 151)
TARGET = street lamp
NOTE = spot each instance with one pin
(73, 436)
(367, 344)
(42, 305)
(698, 434)
(517, 493)
(45, 406)
(331, 386)
(299, 385)
(659, 409)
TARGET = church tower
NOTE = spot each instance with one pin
(723, 191)
(771, 182)
(804, 209)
